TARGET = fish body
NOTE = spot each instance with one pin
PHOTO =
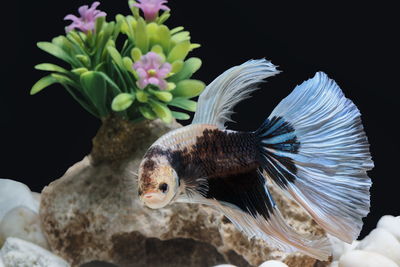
(312, 146)
(199, 154)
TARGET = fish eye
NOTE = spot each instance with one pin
(163, 187)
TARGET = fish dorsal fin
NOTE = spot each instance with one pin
(216, 103)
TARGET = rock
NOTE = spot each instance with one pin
(383, 242)
(1, 262)
(14, 194)
(92, 213)
(224, 265)
(359, 258)
(23, 223)
(19, 253)
(273, 264)
(339, 247)
(390, 224)
(334, 264)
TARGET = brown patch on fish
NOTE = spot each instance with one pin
(217, 153)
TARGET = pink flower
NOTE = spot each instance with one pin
(87, 20)
(151, 70)
(151, 8)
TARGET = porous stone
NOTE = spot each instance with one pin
(23, 223)
(390, 224)
(19, 253)
(93, 213)
(359, 258)
(383, 242)
(273, 264)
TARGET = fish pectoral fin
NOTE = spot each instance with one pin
(246, 201)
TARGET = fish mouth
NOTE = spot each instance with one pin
(154, 200)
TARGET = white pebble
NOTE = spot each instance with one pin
(22, 223)
(1, 263)
(14, 194)
(334, 264)
(383, 242)
(273, 263)
(339, 247)
(359, 258)
(391, 224)
(19, 253)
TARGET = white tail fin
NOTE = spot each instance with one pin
(314, 147)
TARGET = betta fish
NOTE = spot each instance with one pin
(312, 146)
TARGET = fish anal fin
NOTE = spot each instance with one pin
(246, 201)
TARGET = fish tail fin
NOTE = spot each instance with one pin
(314, 147)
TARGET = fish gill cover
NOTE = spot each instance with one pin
(134, 66)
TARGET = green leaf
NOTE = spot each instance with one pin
(96, 89)
(163, 37)
(42, 83)
(103, 39)
(190, 66)
(184, 103)
(134, 9)
(55, 51)
(171, 86)
(141, 38)
(136, 54)
(163, 18)
(157, 49)
(131, 24)
(63, 42)
(141, 96)
(180, 115)
(177, 29)
(179, 52)
(77, 96)
(162, 95)
(152, 29)
(122, 101)
(79, 71)
(114, 86)
(115, 55)
(99, 24)
(180, 37)
(194, 46)
(188, 88)
(64, 80)
(117, 30)
(76, 38)
(85, 60)
(177, 66)
(128, 63)
(147, 113)
(50, 67)
(161, 110)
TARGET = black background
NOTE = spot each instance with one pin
(43, 135)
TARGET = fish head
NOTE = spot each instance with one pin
(158, 182)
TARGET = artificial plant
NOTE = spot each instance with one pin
(134, 66)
